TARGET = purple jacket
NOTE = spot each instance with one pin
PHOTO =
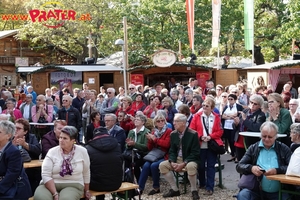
(49, 140)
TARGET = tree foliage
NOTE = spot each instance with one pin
(153, 25)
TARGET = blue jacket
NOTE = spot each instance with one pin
(11, 168)
(118, 133)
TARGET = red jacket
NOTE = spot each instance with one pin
(217, 130)
(164, 142)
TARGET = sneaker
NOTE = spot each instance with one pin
(195, 195)
(153, 191)
(208, 192)
(172, 193)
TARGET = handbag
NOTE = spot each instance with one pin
(154, 155)
(250, 182)
(131, 155)
(212, 144)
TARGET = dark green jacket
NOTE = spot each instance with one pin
(141, 141)
(190, 146)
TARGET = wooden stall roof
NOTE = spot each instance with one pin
(76, 68)
(276, 65)
(7, 33)
(177, 64)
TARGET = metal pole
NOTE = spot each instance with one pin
(125, 52)
(124, 70)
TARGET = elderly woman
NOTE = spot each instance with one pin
(50, 139)
(159, 138)
(138, 104)
(11, 110)
(11, 166)
(280, 116)
(250, 120)
(189, 97)
(197, 104)
(65, 170)
(95, 123)
(184, 109)
(137, 140)
(295, 136)
(126, 107)
(230, 112)
(153, 107)
(293, 105)
(207, 124)
(168, 107)
(224, 101)
(24, 140)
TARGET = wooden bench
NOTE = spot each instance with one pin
(125, 187)
(33, 163)
(284, 179)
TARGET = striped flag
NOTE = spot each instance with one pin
(249, 24)
(190, 15)
(216, 14)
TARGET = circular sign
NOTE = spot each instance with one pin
(164, 58)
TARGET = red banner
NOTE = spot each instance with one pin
(201, 78)
(137, 79)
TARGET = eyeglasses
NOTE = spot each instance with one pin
(131, 88)
(253, 103)
(108, 120)
(224, 96)
(269, 102)
(230, 99)
(159, 121)
(205, 105)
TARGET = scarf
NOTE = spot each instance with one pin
(158, 133)
(66, 167)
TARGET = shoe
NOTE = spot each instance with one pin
(236, 161)
(232, 159)
(153, 191)
(195, 195)
(208, 193)
(202, 187)
(172, 193)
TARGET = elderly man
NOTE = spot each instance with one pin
(266, 157)
(26, 108)
(188, 97)
(175, 98)
(132, 91)
(114, 130)
(184, 153)
(69, 113)
(111, 103)
(33, 93)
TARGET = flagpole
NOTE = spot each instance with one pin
(253, 36)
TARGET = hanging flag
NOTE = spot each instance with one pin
(216, 14)
(249, 24)
(190, 15)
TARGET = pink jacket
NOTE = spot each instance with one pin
(217, 130)
(49, 112)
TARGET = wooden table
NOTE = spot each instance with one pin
(284, 179)
(33, 163)
(42, 124)
(256, 134)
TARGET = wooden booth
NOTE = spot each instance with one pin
(75, 75)
(276, 74)
(152, 74)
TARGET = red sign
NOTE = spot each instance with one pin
(201, 78)
(137, 79)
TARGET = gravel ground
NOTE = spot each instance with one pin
(219, 194)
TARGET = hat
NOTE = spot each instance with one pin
(100, 131)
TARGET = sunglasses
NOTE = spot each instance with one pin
(253, 103)
(159, 121)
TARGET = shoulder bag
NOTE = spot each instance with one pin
(212, 144)
(154, 155)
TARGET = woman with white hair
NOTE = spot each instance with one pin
(11, 110)
(12, 172)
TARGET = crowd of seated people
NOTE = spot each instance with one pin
(144, 120)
